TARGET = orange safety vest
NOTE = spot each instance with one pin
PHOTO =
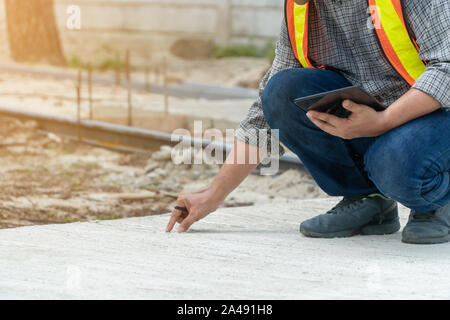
(396, 40)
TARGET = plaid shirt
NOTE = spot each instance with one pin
(340, 37)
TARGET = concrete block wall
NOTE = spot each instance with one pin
(154, 25)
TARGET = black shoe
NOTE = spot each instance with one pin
(368, 215)
(430, 227)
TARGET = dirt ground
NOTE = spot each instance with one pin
(46, 179)
(237, 71)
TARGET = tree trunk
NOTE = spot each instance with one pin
(32, 31)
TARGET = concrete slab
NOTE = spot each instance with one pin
(238, 253)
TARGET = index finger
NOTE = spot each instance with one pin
(325, 126)
(173, 219)
(326, 117)
(176, 214)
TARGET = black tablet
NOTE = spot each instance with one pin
(331, 101)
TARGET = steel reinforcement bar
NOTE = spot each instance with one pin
(120, 137)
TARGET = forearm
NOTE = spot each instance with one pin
(241, 162)
(412, 105)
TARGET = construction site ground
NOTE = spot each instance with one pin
(48, 179)
(92, 220)
(236, 253)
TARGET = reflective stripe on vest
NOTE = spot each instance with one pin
(298, 30)
(398, 46)
(390, 25)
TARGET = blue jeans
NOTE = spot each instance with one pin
(410, 164)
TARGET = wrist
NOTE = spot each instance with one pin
(387, 121)
(216, 194)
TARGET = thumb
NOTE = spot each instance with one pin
(186, 224)
(351, 106)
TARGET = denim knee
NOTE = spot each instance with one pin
(289, 84)
(276, 97)
(402, 171)
(281, 91)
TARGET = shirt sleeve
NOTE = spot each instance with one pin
(254, 129)
(430, 21)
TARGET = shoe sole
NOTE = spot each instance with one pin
(387, 227)
(381, 229)
(425, 241)
(368, 230)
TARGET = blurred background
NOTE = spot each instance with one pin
(226, 43)
(90, 91)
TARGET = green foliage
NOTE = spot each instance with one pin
(111, 64)
(88, 166)
(107, 64)
(75, 184)
(74, 62)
